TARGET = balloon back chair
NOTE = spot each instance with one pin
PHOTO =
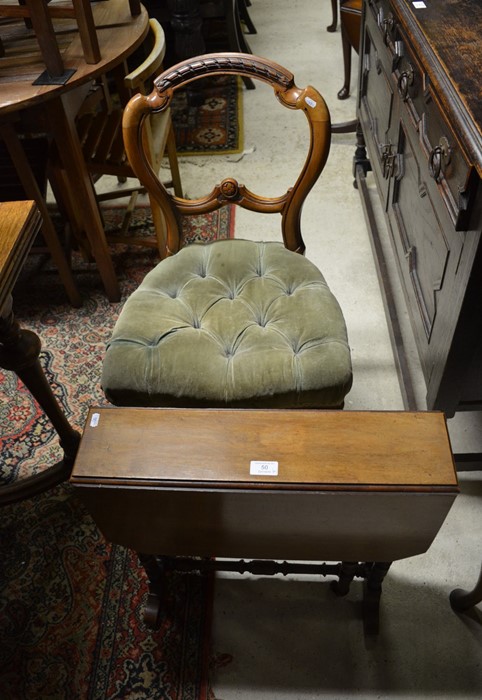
(232, 323)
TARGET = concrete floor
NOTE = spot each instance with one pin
(291, 638)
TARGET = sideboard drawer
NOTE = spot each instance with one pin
(377, 102)
(409, 77)
(383, 15)
(447, 163)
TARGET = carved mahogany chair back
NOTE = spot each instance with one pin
(230, 191)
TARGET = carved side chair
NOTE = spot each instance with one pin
(233, 323)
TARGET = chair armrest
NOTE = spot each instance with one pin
(147, 68)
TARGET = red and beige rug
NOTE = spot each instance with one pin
(207, 117)
(71, 613)
(73, 340)
(71, 603)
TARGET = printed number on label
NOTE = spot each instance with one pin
(259, 468)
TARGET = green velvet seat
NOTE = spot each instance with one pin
(231, 323)
(234, 323)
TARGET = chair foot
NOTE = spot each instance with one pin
(152, 611)
(334, 9)
(344, 93)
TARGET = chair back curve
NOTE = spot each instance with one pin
(230, 191)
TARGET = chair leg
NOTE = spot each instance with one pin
(462, 600)
(345, 90)
(334, 21)
(244, 14)
(62, 196)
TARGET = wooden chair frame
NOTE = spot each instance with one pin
(98, 125)
(229, 191)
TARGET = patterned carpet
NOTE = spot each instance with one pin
(70, 602)
(70, 613)
(208, 119)
(73, 340)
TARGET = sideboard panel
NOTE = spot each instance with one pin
(423, 137)
(421, 245)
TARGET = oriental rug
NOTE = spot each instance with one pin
(74, 340)
(71, 603)
(207, 117)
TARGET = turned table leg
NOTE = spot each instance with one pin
(371, 596)
(348, 571)
(186, 21)
(153, 566)
(19, 352)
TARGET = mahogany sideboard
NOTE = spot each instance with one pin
(420, 112)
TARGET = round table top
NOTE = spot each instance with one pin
(118, 33)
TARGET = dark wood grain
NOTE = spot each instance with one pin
(350, 485)
(451, 31)
(420, 112)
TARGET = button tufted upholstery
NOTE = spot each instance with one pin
(231, 323)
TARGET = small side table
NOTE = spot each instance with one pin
(20, 349)
(291, 490)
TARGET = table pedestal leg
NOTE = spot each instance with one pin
(348, 571)
(371, 596)
(153, 566)
(19, 352)
(186, 22)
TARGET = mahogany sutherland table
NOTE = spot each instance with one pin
(360, 488)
